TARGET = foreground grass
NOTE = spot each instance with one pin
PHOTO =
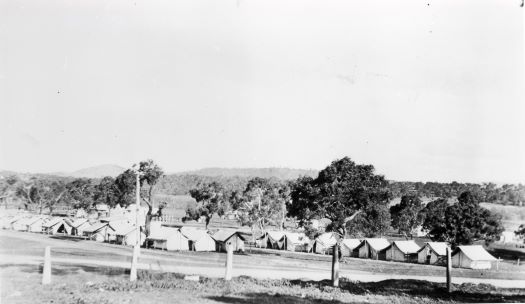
(21, 284)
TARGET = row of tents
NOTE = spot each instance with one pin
(432, 253)
(120, 231)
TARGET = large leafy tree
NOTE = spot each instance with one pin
(340, 192)
(264, 203)
(82, 193)
(211, 199)
(125, 185)
(373, 221)
(41, 193)
(434, 219)
(107, 192)
(149, 177)
(464, 222)
(406, 215)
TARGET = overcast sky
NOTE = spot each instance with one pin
(423, 90)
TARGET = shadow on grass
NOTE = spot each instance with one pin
(250, 298)
(507, 253)
(67, 238)
(69, 269)
(469, 293)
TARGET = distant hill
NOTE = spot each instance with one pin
(279, 173)
(97, 171)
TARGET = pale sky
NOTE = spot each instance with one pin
(423, 90)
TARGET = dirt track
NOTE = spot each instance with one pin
(20, 248)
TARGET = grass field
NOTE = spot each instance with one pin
(72, 284)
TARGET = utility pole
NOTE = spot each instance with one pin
(136, 248)
(449, 271)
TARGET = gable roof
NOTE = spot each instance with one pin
(407, 247)
(376, 244)
(327, 239)
(440, 248)
(296, 237)
(52, 222)
(121, 228)
(193, 234)
(78, 222)
(275, 235)
(351, 243)
(95, 227)
(224, 235)
(475, 253)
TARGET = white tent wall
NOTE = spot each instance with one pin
(206, 243)
(394, 254)
(79, 230)
(175, 240)
(422, 256)
(36, 226)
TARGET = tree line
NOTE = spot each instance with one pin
(353, 200)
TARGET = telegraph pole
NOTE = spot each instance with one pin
(136, 248)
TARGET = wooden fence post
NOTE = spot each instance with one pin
(449, 270)
(229, 262)
(46, 273)
(335, 266)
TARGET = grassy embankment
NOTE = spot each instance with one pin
(21, 284)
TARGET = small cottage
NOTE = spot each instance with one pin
(169, 239)
(224, 237)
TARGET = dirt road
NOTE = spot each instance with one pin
(21, 248)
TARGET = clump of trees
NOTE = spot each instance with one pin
(261, 203)
(461, 223)
(47, 192)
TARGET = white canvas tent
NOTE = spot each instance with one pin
(56, 225)
(348, 247)
(402, 251)
(432, 253)
(324, 243)
(35, 223)
(271, 240)
(97, 232)
(370, 248)
(78, 226)
(20, 224)
(199, 240)
(295, 241)
(473, 257)
(169, 239)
